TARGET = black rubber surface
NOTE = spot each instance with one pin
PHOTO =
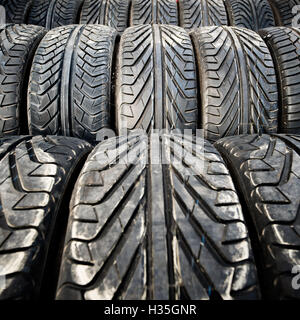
(283, 11)
(156, 79)
(238, 86)
(54, 13)
(267, 173)
(154, 11)
(16, 10)
(284, 44)
(146, 230)
(34, 175)
(202, 13)
(250, 14)
(70, 84)
(17, 47)
(112, 13)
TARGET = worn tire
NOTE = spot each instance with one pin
(17, 46)
(70, 82)
(16, 10)
(284, 44)
(266, 171)
(112, 13)
(237, 82)
(199, 13)
(34, 175)
(144, 230)
(283, 11)
(154, 11)
(54, 13)
(250, 14)
(156, 79)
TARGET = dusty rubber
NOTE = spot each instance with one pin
(16, 10)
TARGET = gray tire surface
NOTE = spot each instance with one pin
(267, 172)
(112, 13)
(237, 80)
(154, 11)
(202, 13)
(34, 175)
(156, 79)
(156, 231)
(17, 47)
(284, 45)
(70, 82)
(283, 11)
(250, 14)
(54, 13)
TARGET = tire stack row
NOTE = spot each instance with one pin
(149, 216)
(121, 14)
(88, 82)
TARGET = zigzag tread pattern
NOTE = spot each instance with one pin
(237, 81)
(266, 170)
(16, 10)
(284, 44)
(17, 45)
(250, 14)
(125, 241)
(34, 174)
(154, 12)
(136, 79)
(63, 12)
(193, 14)
(113, 13)
(89, 84)
(283, 11)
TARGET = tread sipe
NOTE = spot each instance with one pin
(237, 82)
(16, 10)
(112, 13)
(156, 79)
(267, 172)
(70, 82)
(141, 230)
(54, 13)
(154, 11)
(250, 14)
(17, 47)
(34, 176)
(202, 13)
(284, 44)
(283, 11)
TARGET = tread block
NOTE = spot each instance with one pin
(140, 230)
(266, 170)
(70, 83)
(34, 175)
(237, 80)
